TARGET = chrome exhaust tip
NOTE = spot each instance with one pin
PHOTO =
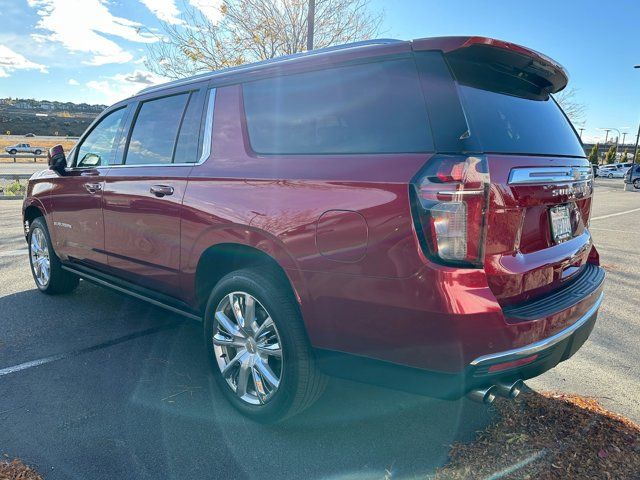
(510, 390)
(486, 395)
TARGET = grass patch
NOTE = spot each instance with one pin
(549, 436)
(14, 189)
(16, 470)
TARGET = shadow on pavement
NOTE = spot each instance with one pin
(147, 407)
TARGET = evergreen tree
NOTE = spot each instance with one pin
(593, 155)
(624, 156)
(610, 156)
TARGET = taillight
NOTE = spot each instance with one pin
(450, 201)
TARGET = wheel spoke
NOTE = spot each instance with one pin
(266, 325)
(235, 361)
(257, 381)
(223, 341)
(243, 377)
(228, 325)
(45, 271)
(250, 312)
(266, 373)
(273, 350)
(237, 312)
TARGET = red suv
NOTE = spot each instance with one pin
(412, 214)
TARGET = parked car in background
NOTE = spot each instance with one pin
(24, 148)
(612, 171)
(321, 213)
(633, 176)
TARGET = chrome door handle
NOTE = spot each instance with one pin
(161, 190)
(93, 187)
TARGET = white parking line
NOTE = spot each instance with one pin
(93, 348)
(14, 253)
(614, 230)
(616, 214)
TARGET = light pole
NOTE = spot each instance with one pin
(635, 150)
(311, 18)
(581, 130)
(617, 139)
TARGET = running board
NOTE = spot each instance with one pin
(133, 290)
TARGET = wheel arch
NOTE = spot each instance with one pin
(32, 210)
(219, 259)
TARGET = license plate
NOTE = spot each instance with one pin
(560, 223)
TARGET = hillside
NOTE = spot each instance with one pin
(43, 117)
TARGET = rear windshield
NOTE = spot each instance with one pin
(508, 124)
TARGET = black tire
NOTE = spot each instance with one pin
(60, 281)
(301, 381)
(636, 183)
(38, 152)
(13, 151)
(610, 175)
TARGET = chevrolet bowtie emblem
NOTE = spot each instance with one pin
(576, 173)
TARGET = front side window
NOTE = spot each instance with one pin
(155, 130)
(367, 108)
(97, 148)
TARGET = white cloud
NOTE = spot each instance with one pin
(141, 77)
(11, 61)
(81, 26)
(210, 9)
(165, 10)
(74, 82)
(124, 85)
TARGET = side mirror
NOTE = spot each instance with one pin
(57, 159)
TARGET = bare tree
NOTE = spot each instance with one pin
(575, 110)
(253, 30)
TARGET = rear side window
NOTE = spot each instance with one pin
(155, 130)
(189, 135)
(366, 108)
(509, 124)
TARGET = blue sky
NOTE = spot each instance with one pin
(93, 50)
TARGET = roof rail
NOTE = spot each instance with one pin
(271, 61)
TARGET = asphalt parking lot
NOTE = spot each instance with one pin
(96, 385)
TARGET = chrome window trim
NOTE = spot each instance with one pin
(544, 175)
(528, 350)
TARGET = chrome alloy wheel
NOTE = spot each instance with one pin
(247, 348)
(39, 252)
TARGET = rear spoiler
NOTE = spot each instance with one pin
(500, 66)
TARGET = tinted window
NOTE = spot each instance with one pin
(97, 148)
(508, 124)
(369, 108)
(187, 146)
(155, 130)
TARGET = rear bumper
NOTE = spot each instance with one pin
(547, 354)
(532, 360)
